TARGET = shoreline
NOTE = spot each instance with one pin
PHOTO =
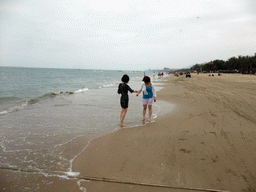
(195, 146)
(206, 142)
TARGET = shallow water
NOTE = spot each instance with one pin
(48, 135)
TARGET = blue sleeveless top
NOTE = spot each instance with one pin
(150, 93)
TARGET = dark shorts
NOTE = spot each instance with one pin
(124, 102)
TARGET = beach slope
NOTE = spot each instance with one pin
(207, 142)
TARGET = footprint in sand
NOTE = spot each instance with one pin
(185, 151)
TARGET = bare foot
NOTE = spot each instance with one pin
(122, 124)
(142, 119)
(149, 120)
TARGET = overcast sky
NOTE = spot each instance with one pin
(124, 34)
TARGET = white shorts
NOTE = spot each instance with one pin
(147, 101)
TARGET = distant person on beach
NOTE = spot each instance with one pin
(149, 95)
(154, 74)
(123, 89)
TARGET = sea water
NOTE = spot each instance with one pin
(49, 116)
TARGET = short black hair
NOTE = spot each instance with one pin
(146, 79)
(125, 78)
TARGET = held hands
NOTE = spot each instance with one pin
(138, 92)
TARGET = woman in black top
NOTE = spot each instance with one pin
(123, 89)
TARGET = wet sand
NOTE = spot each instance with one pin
(207, 142)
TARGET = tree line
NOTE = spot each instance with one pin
(240, 64)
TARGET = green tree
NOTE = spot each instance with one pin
(195, 67)
(242, 63)
(219, 64)
(206, 67)
(232, 63)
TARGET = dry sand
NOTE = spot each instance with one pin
(207, 142)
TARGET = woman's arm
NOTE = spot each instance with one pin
(129, 88)
(119, 90)
(153, 90)
(141, 87)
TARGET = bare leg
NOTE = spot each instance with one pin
(122, 116)
(144, 112)
(149, 112)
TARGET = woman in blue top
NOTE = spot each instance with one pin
(149, 95)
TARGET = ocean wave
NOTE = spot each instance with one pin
(8, 99)
(82, 90)
(3, 113)
(15, 108)
(106, 86)
(52, 94)
(31, 101)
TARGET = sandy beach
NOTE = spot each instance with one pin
(207, 142)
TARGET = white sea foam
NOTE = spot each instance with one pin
(109, 85)
(82, 90)
(15, 108)
(71, 161)
(72, 174)
(68, 141)
(3, 113)
(55, 175)
(63, 176)
(79, 185)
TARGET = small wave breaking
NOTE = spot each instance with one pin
(31, 101)
(106, 86)
(15, 108)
